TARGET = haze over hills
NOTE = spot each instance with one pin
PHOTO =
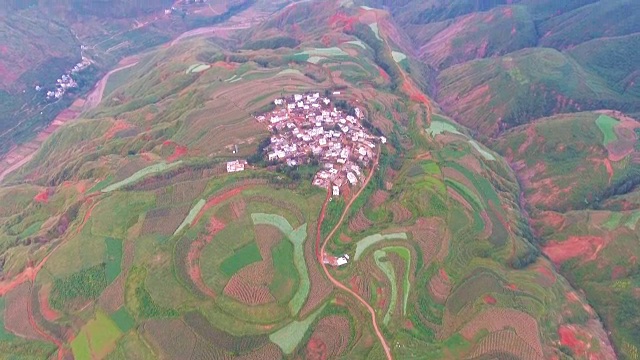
(491, 209)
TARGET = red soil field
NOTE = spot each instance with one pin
(345, 239)
(400, 213)
(225, 65)
(217, 200)
(618, 272)
(118, 126)
(547, 274)
(47, 312)
(575, 246)
(384, 74)
(378, 198)
(329, 339)
(488, 299)
(193, 257)
(342, 20)
(568, 338)
(178, 151)
(42, 197)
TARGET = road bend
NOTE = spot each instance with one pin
(320, 250)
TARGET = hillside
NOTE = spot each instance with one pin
(180, 259)
(580, 175)
(490, 95)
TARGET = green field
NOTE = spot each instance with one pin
(114, 259)
(438, 127)
(191, 216)
(387, 269)
(363, 244)
(153, 169)
(297, 238)
(290, 336)
(242, 257)
(96, 339)
(123, 319)
(607, 124)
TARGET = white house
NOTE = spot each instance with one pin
(352, 178)
(336, 191)
(235, 166)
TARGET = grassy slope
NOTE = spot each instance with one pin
(593, 248)
(523, 86)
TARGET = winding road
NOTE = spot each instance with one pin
(321, 251)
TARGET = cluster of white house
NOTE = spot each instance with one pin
(65, 81)
(307, 126)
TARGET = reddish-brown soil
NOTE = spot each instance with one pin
(440, 286)
(568, 338)
(178, 151)
(496, 319)
(193, 257)
(47, 312)
(217, 200)
(618, 272)
(359, 222)
(548, 278)
(16, 315)
(119, 125)
(488, 299)
(43, 197)
(378, 198)
(249, 294)
(345, 239)
(383, 74)
(400, 213)
(225, 65)
(329, 339)
(574, 246)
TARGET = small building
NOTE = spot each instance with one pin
(336, 191)
(352, 178)
(235, 166)
(278, 101)
(383, 139)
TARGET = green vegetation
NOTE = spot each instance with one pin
(123, 319)
(387, 268)
(96, 338)
(366, 242)
(438, 127)
(405, 254)
(242, 257)
(86, 284)
(487, 155)
(114, 259)
(297, 238)
(195, 210)
(290, 336)
(607, 124)
(153, 169)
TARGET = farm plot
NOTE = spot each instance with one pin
(370, 240)
(290, 336)
(505, 343)
(196, 68)
(16, 313)
(242, 257)
(487, 155)
(297, 238)
(191, 216)
(405, 254)
(329, 339)
(398, 56)
(164, 221)
(607, 125)
(387, 268)
(182, 192)
(153, 169)
(114, 259)
(438, 127)
(96, 339)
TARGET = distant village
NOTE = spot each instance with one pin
(66, 81)
(308, 126)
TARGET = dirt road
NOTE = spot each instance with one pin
(95, 96)
(319, 255)
(207, 31)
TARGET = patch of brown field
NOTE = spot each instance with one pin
(164, 221)
(531, 136)
(488, 225)
(440, 46)
(553, 219)
(172, 337)
(574, 246)
(270, 351)
(321, 288)
(48, 313)
(504, 341)
(496, 319)
(459, 177)
(400, 213)
(547, 277)
(361, 285)
(193, 257)
(16, 313)
(345, 239)
(359, 222)
(249, 294)
(453, 194)
(378, 198)
(440, 287)
(329, 339)
(112, 298)
(432, 237)
(267, 237)
(471, 162)
(238, 208)
(598, 217)
(118, 125)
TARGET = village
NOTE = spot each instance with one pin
(308, 126)
(65, 82)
